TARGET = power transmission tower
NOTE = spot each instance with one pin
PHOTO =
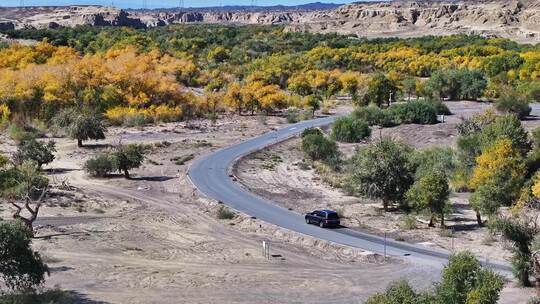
(21, 3)
(144, 4)
(181, 3)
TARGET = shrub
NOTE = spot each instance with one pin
(224, 213)
(135, 120)
(293, 115)
(373, 115)
(318, 147)
(310, 131)
(535, 135)
(99, 166)
(21, 134)
(409, 222)
(418, 112)
(55, 296)
(440, 108)
(514, 103)
(181, 160)
(348, 129)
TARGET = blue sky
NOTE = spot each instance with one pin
(162, 3)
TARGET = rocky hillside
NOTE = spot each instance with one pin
(515, 19)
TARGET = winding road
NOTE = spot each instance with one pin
(212, 176)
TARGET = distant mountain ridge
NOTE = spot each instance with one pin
(315, 6)
(518, 20)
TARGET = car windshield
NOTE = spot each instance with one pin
(332, 216)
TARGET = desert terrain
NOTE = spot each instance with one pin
(155, 239)
(515, 20)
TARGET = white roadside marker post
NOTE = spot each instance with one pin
(385, 246)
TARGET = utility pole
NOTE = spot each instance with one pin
(181, 3)
(21, 3)
(144, 4)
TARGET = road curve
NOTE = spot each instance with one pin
(211, 175)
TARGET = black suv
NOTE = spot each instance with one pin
(323, 218)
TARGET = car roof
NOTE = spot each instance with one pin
(328, 211)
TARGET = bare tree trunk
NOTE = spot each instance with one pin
(431, 223)
(28, 222)
(442, 220)
(79, 143)
(126, 173)
(525, 279)
(479, 219)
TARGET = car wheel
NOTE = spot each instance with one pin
(308, 221)
(321, 224)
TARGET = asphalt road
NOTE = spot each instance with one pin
(212, 176)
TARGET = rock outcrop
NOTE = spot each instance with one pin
(515, 19)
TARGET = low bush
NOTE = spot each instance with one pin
(225, 214)
(310, 131)
(349, 129)
(293, 115)
(181, 160)
(370, 114)
(318, 147)
(55, 296)
(409, 222)
(21, 134)
(513, 103)
(441, 108)
(99, 166)
(417, 112)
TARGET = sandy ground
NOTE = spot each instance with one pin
(155, 239)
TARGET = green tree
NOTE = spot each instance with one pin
(127, 157)
(430, 192)
(383, 170)
(409, 87)
(81, 125)
(507, 126)
(501, 189)
(40, 152)
(434, 159)
(381, 90)
(349, 129)
(21, 268)
(472, 84)
(465, 281)
(313, 102)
